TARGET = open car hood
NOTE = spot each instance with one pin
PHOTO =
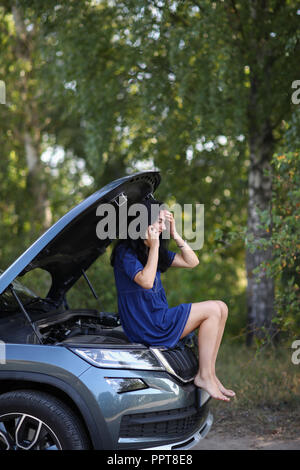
(71, 244)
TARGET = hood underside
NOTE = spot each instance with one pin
(71, 245)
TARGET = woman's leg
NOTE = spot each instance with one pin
(207, 316)
(224, 315)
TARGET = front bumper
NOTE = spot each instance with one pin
(192, 441)
(167, 414)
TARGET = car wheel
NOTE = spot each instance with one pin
(31, 420)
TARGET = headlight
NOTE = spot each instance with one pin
(120, 358)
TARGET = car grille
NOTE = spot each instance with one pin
(182, 361)
(163, 424)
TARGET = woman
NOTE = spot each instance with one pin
(143, 308)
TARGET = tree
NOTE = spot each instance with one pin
(32, 120)
(203, 88)
(232, 65)
(25, 105)
(284, 267)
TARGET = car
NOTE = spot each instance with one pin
(70, 378)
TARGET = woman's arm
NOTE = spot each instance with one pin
(187, 258)
(145, 278)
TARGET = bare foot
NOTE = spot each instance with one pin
(211, 387)
(225, 391)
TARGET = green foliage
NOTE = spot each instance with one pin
(264, 377)
(124, 85)
(283, 225)
(101, 276)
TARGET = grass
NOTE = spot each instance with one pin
(260, 377)
(267, 386)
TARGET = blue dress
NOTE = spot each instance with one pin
(144, 313)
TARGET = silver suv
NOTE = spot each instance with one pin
(70, 378)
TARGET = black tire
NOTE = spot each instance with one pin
(33, 420)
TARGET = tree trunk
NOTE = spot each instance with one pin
(260, 295)
(31, 131)
(36, 183)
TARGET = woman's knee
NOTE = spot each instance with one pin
(210, 308)
(224, 309)
(202, 310)
(213, 309)
(217, 311)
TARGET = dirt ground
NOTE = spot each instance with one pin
(259, 429)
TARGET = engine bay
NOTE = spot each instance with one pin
(60, 326)
(79, 323)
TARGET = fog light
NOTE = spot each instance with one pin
(122, 385)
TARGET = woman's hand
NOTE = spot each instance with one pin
(170, 218)
(152, 236)
(146, 277)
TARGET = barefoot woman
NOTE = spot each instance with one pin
(143, 308)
